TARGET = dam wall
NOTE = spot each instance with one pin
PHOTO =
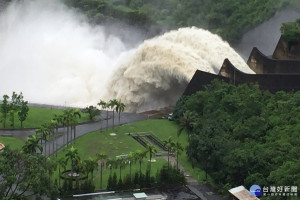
(262, 64)
(284, 51)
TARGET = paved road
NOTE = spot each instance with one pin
(95, 126)
(81, 129)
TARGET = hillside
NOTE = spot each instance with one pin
(228, 18)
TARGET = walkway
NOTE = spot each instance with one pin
(202, 191)
(81, 129)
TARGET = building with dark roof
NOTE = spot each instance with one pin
(281, 71)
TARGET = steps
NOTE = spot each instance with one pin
(142, 139)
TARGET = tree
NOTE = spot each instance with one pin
(32, 143)
(151, 150)
(91, 165)
(5, 108)
(120, 108)
(291, 32)
(120, 162)
(177, 148)
(67, 118)
(23, 112)
(56, 121)
(101, 161)
(111, 163)
(187, 122)
(140, 155)
(169, 145)
(104, 106)
(132, 158)
(43, 132)
(72, 155)
(92, 111)
(61, 163)
(75, 115)
(25, 175)
(112, 104)
(14, 106)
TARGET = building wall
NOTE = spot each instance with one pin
(271, 82)
(285, 52)
(262, 64)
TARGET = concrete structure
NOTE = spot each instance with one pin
(242, 193)
(271, 73)
(1, 146)
(285, 52)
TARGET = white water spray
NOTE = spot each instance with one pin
(53, 56)
(159, 70)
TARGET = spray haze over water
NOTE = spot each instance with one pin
(160, 69)
(52, 55)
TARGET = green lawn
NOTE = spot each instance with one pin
(14, 143)
(38, 116)
(101, 142)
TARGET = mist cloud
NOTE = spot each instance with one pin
(51, 54)
(160, 69)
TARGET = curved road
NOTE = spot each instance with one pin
(81, 129)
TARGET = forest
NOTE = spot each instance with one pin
(228, 18)
(241, 135)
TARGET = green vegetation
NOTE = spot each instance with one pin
(291, 32)
(23, 174)
(227, 18)
(38, 116)
(241, 135)
(17, 106)
(12, 142)
(97, 143)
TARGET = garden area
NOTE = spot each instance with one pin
(122, 156)
(102, 157)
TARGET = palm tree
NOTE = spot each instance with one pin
(75, 115)
(91, 165)
(187, 122)
(169, 144)
(43, 131)
(111, 163)
(177, 148)
(120, 108)
(140, 155)
(104, 106)
(101, 158)
(120, 162)
(132, 158)
(112, 103)
(57, 120)
(61, 163)
(50, 129)
(32, 143)
(152, 150)
(72, 154)
(62, 120)
(67, 117)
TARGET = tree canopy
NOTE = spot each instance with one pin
(243, 135)
(291, 32)
(227, 18)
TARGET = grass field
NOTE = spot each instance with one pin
(14, 143)
(102, 142)
(38, 116)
